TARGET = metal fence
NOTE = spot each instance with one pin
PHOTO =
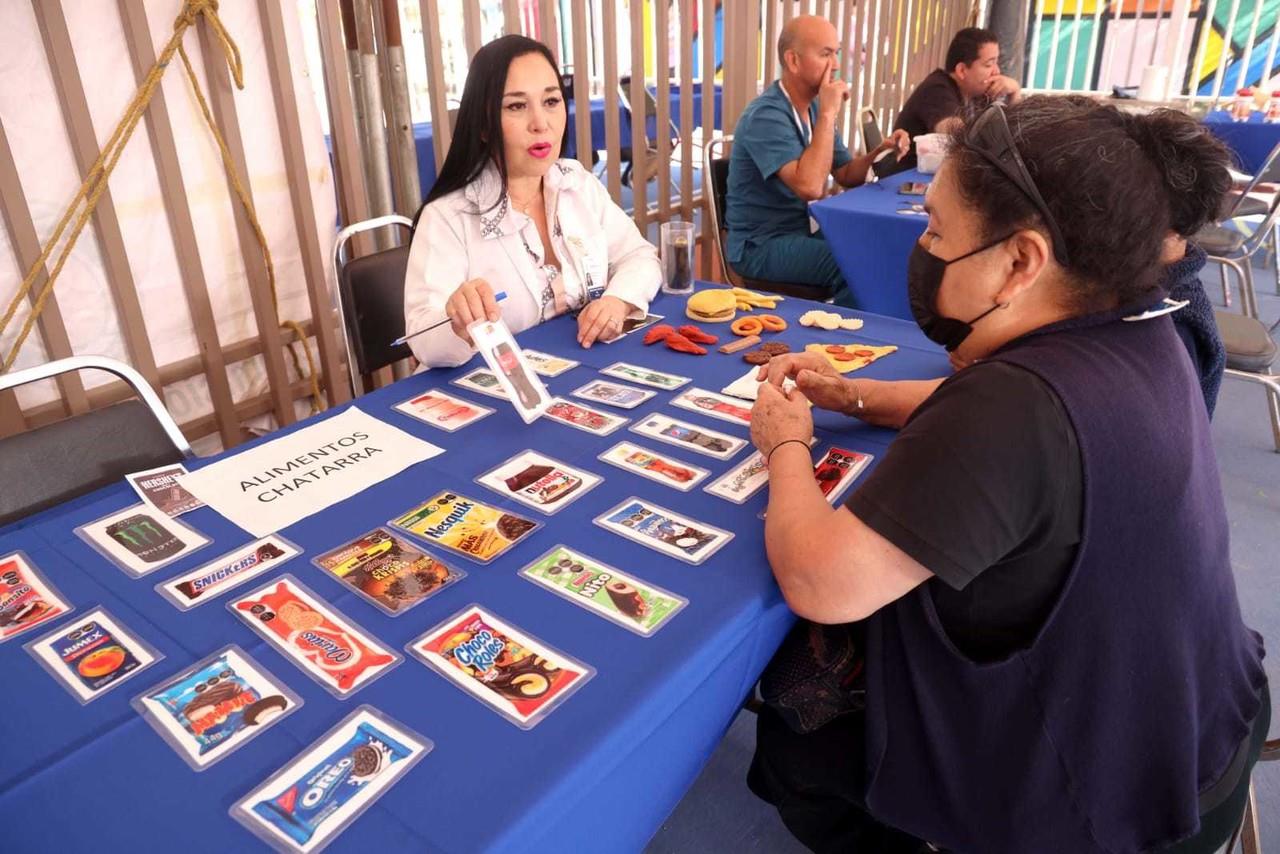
(1211, 48)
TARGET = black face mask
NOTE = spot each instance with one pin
(924, 279)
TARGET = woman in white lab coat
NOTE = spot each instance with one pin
(507, 215)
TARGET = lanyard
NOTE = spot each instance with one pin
(800, 126)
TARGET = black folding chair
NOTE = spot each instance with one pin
(371, 299)
(57, 462)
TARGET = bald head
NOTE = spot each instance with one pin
(805, 34)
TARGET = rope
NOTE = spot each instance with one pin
(95, 184)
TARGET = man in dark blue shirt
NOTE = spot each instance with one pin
(785, 147)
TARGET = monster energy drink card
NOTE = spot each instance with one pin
(141, 539)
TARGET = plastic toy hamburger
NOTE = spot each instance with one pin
(713, 306)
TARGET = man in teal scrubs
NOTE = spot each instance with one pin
(785, 147)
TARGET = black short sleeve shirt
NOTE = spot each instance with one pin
(983, 487)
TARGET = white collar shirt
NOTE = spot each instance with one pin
(476, 233)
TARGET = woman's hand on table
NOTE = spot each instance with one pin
(779, 416)
(601, 320)
(472, 301)
(813, 375)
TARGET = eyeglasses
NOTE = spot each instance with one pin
(991, 138)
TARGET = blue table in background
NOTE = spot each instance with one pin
(871, 237)
(600, 774)
(424, 138)
(1251, 141)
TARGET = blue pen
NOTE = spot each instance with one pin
(498, 297)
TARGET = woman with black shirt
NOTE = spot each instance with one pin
(1053, 653)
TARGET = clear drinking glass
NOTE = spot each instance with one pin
(676, 247)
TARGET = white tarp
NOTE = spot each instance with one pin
(33, 123)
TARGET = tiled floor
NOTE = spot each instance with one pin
(719, 814)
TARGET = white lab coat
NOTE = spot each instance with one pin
(464, 236)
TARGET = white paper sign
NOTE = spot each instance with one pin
(275, 484)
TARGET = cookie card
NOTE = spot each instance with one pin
(324, 643)
(663, 468)
(27, 599)
(215, 706)
(644, 376)
(160, 487)
(838, 468)
(598, 587)
(545, 484)
(443, 410)
(583, 417)
(231, 570)
(92, 656)
(664, 531)
(466, 526)
(713, 404)
(306, 804)
(702, 440)
(387, 570)
(613, 394)
(547, 365)
(140, 539)
(481, 380)
(511, 672)
(742, 481)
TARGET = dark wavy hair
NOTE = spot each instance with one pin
(477, 133)
(1116, 183)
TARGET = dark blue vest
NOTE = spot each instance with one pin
(1144, 679)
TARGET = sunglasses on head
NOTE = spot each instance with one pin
(991, 138)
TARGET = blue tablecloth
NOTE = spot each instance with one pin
(599, 774)
(871, 237)
(1251, 141)
(424, 138)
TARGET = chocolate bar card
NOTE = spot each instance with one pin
(584, 418)
(93, 655)
(545, 484)
(664, 531)
(310, 801)
(27, 599)
(215, 706)
(715, 405)
(466, 526)
(516, 376)
(140, 539)
(231, 570)
(613, 394)
(443, 411)
(389, 571)
(644, 376)
(663, 468)
(547, 365)
(626, 600)
(702, 440)
(514, 674)
(481, 380)
(160, 488)
(327, 645)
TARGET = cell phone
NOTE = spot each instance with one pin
(871, 134)
(913, 188)
(886, 164)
